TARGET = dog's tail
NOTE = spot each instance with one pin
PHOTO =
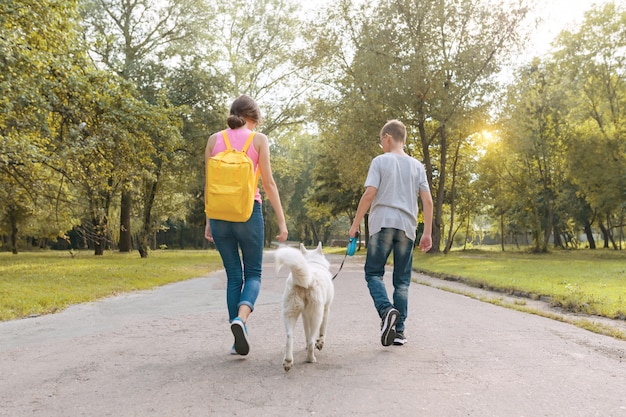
(295, 260)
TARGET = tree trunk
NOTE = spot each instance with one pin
(549, 229)
(125, 210)
(536, 232)
(502, 230)
(146, 231)
(605, 234)
(100, 222)
(14, 230)
(609, 231)
(100, 235)
(558, 240)
(467, 228)
(142, 245)
(439, 198)
(589, 234)
(452, 232)
(421, 127)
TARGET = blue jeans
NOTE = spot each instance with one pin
(244, 279)
(378, 250)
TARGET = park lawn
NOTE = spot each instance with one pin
(33, 283)
(581, 281)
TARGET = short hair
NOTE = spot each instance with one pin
(395, 129)
(243, 108)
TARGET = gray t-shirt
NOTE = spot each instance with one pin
(398, 179)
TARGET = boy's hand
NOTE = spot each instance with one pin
(426, 242)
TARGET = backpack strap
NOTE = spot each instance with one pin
(244, 150)
(245, 147)
(226, 140)
(248, 142)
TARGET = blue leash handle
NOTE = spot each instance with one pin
(352, 245)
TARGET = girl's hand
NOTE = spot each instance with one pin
(207, 231)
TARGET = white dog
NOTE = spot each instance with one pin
(309, 291)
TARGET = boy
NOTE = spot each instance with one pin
(394, 182)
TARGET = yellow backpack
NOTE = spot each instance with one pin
(231, 184)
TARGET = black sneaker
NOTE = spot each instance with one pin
(399, 340)
(388, 326)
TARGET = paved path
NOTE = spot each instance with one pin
(166, 353)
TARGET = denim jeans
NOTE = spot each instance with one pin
(379, 248)
(244, 278)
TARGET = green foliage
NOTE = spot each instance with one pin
(533, 131)
(136, 40)
(78, 131)
(38, 46)
(294, 158)
(556, 169)
(593, 67)
(427, 64)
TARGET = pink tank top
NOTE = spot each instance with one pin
(237, 138)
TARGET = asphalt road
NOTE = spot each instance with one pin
(165, 352)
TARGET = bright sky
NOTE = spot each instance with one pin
(556, 15)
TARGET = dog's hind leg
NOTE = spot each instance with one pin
(319, 344)
(315, 321)
(290, 324)
(308, 335)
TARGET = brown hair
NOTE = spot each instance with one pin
(395, 129)
(243, 108)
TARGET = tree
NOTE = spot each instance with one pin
(554, 171)
(135, 39)
(294, 161)
(36, 46)
(259, 44)
(463, 197)
(593, 66)
(100, 136)
(533, 128)
(427, 63)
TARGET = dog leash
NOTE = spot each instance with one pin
(349, 252)
(344, 259)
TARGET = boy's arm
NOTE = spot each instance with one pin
(426, 240)
(364, 205)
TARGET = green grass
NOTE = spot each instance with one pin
(584, 281)
(33, 283)
(580, 281)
